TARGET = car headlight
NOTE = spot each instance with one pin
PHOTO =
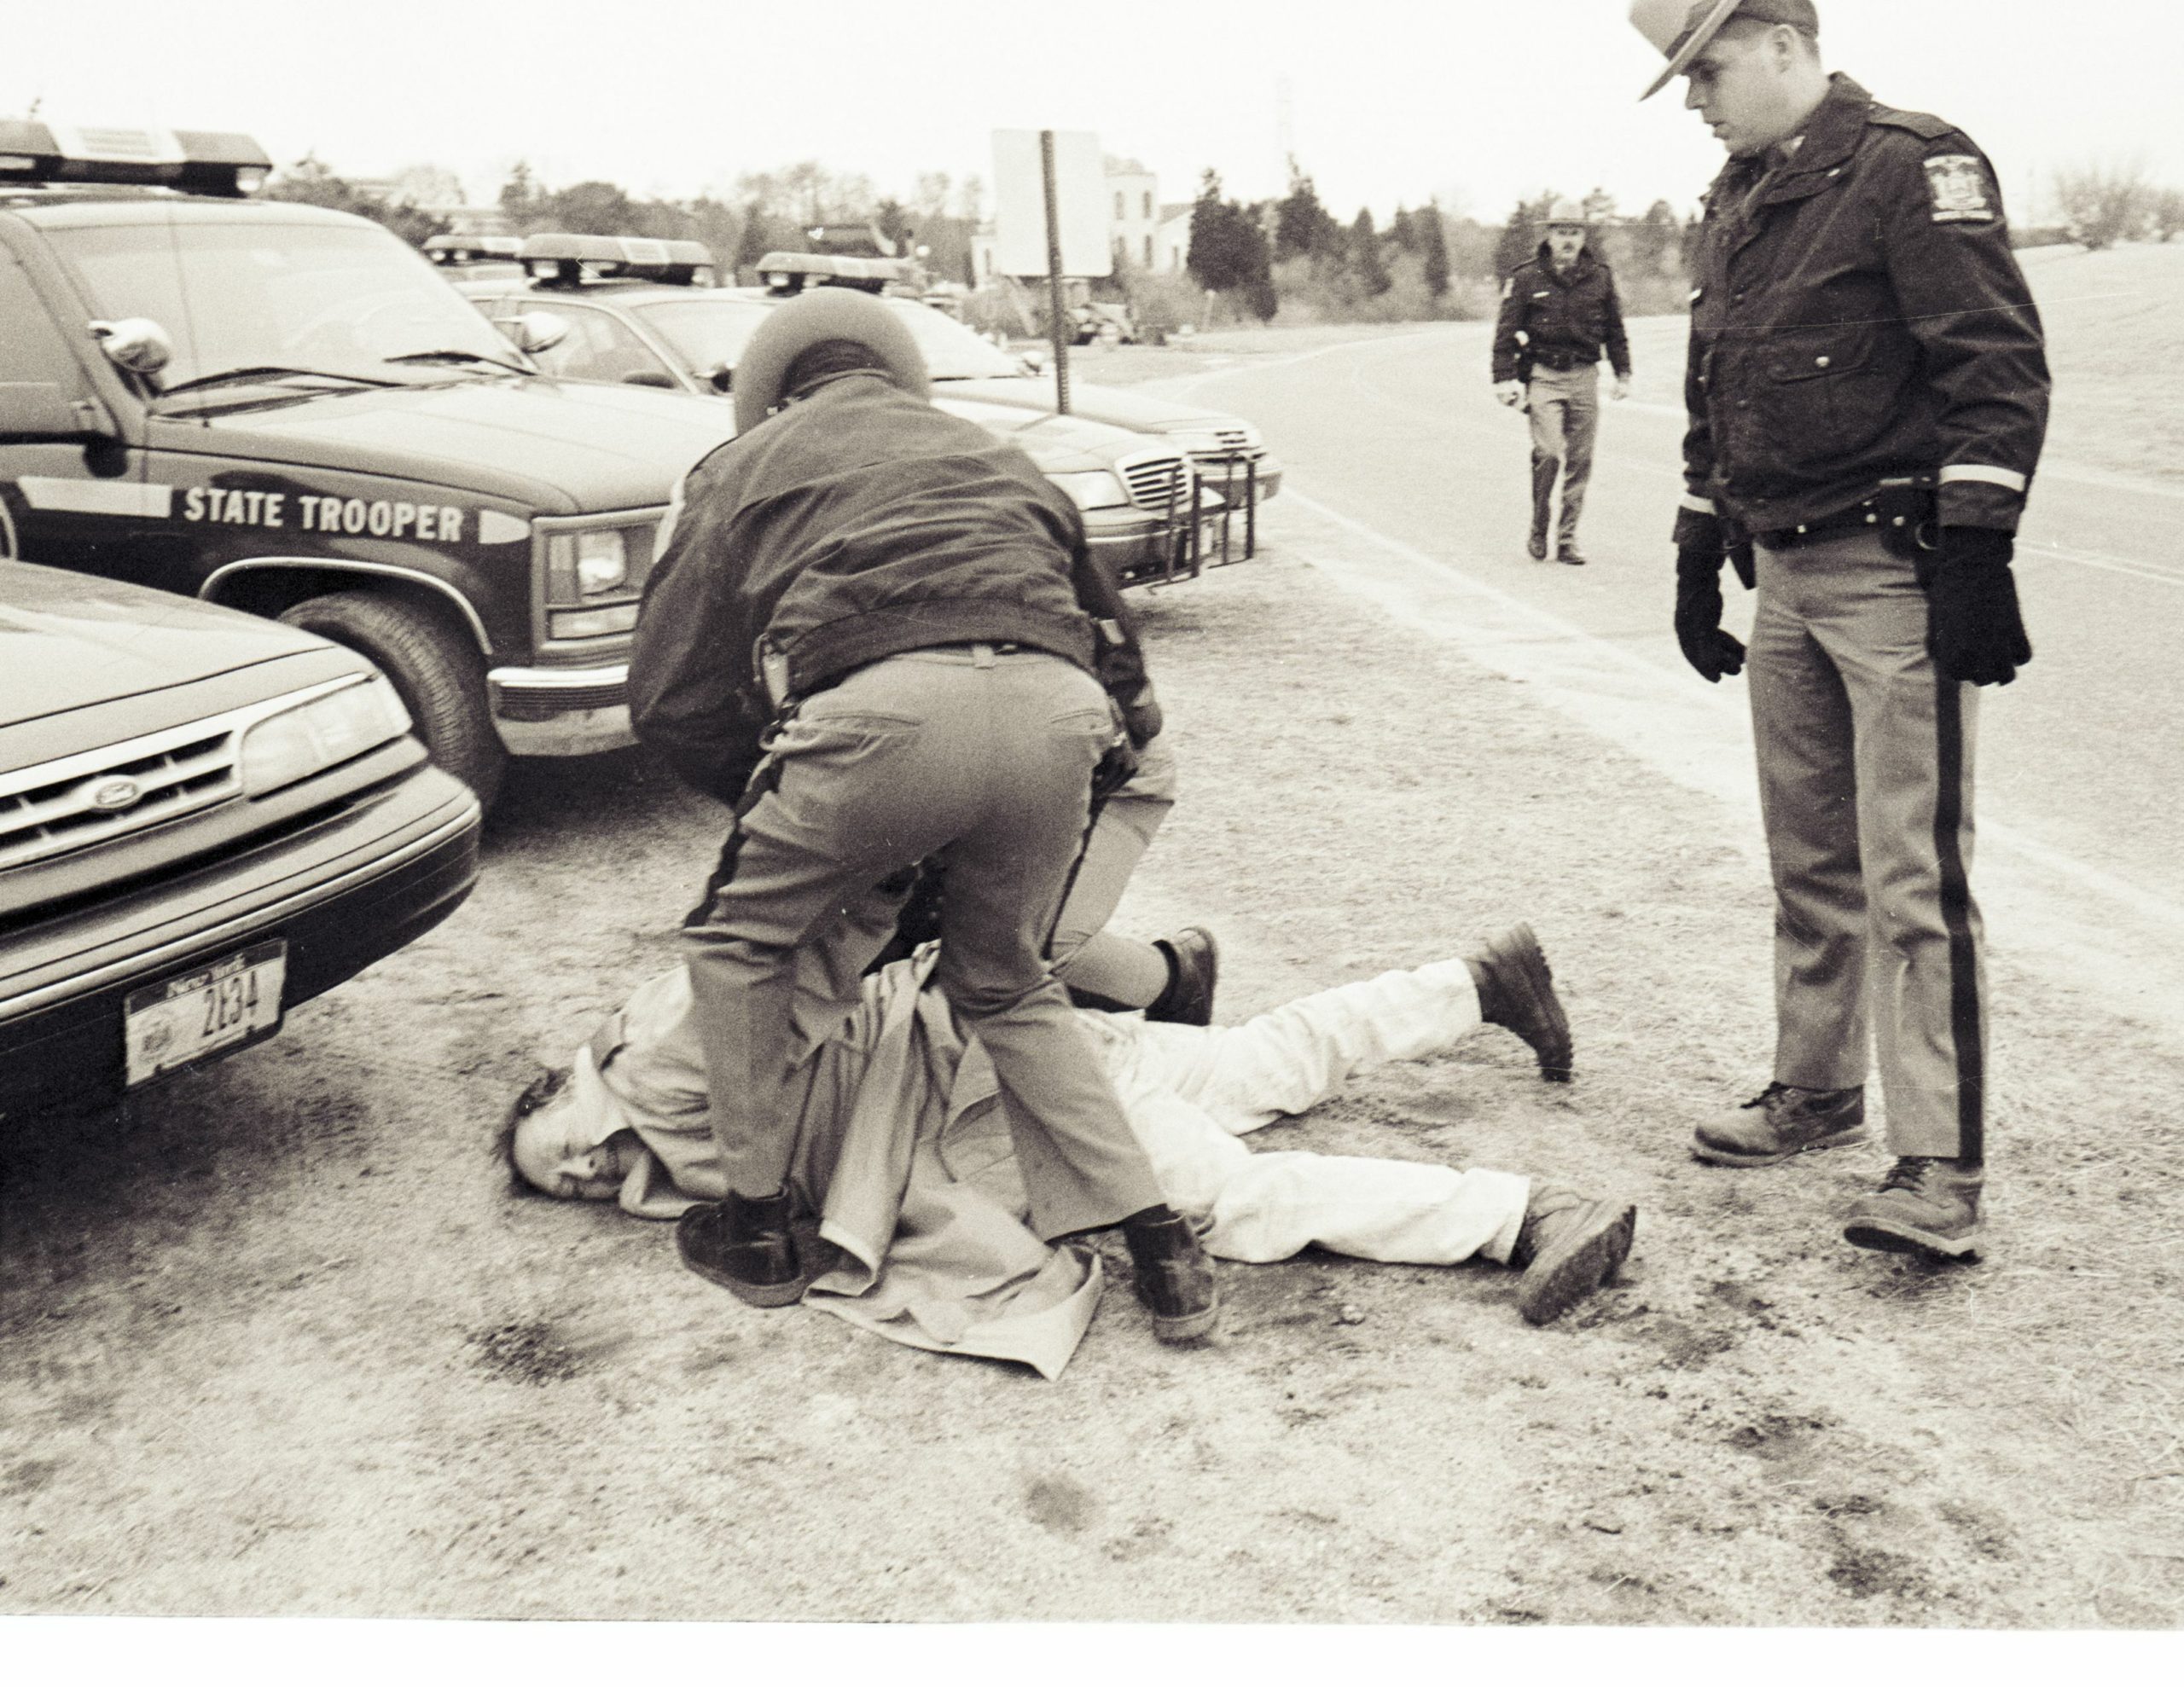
(593, 562)
(594, 576)
(327, 731)
(1097, 490)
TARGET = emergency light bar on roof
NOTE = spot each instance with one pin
(195, 160)
(563, 258)
(792, 271)
(471, 248)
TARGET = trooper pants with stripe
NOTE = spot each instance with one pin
(982, 756)
(1865, 756)
(1564, 408)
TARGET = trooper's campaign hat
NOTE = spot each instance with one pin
(1681, 29)
(1563, 213)
(811, 318)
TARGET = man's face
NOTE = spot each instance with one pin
(1739, 84)
(1564, 241)
(553, 1155)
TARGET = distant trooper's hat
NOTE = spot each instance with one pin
(1565, 214)
(1681, 29)
(810, 320)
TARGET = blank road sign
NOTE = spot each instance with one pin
(1019, 213)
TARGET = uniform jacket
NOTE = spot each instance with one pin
(857, 523)
(1565, 318)
(1858, 314)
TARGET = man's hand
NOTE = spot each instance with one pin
(1710, 651)
(1974, 631)
(1622, 388)
(1509, 392)
(1115, 769)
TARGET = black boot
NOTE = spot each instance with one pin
(1516, 991)
(1194, 968)
(1174, 1279)
(744, 1245)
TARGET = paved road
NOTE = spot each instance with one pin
(1408, 481)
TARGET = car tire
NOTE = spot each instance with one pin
(437, 671)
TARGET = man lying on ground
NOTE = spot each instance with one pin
(903, 1157)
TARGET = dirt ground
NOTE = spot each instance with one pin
(280, 1340)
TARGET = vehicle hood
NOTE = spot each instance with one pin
(1114, 405)
(1070, 444)
(561, 448)
(69, 641)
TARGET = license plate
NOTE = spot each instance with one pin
(237, 1000)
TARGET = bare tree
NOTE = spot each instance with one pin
(2169, 214)
(2104, 202)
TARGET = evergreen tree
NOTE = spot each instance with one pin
(519, 196)
(1228, 250)
(1365, 260)
(1425, 228)
(1402, 231)
(1303, 227)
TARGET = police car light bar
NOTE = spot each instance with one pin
(792, 271)
(565, 257)
(471, 248)
(195, 160)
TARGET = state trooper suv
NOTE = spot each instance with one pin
(285, 410)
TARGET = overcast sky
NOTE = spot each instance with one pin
(1476, 100)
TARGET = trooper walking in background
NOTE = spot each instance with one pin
(879, 631)
(1868, 392)
(1559, 314)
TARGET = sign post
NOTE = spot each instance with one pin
(1057, 330)
(1050, 220)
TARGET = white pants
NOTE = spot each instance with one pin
(1191, 1092)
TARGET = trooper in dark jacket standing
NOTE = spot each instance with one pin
(1868, 394)
(1559, 313)
(878, 630)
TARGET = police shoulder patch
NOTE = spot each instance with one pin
(1957, 184)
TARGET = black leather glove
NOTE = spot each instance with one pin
(1706, 647)
(1114, 770)
(1974, 631)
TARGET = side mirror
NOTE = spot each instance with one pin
(536, 331)
(649, 377)
(721, 377)
(137, 343)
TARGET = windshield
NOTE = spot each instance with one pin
(708, 329)
(343, 299)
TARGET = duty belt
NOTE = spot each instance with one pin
(1900, 512)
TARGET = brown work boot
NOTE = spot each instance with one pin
(1923, 1206)
(746, 1245)
(1781, 1121)
(1569, 1246)
(1516, 991)
(1174, 1279)
(1193, 969)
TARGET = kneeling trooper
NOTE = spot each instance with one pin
(903, 1159)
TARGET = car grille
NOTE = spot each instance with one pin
(51, 809)
(1157, 483)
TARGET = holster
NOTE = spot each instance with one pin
(1910, 509)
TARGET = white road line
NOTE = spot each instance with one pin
(1697, 735)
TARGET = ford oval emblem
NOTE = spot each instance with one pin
(116, 794)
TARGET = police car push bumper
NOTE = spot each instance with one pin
(561, 711)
